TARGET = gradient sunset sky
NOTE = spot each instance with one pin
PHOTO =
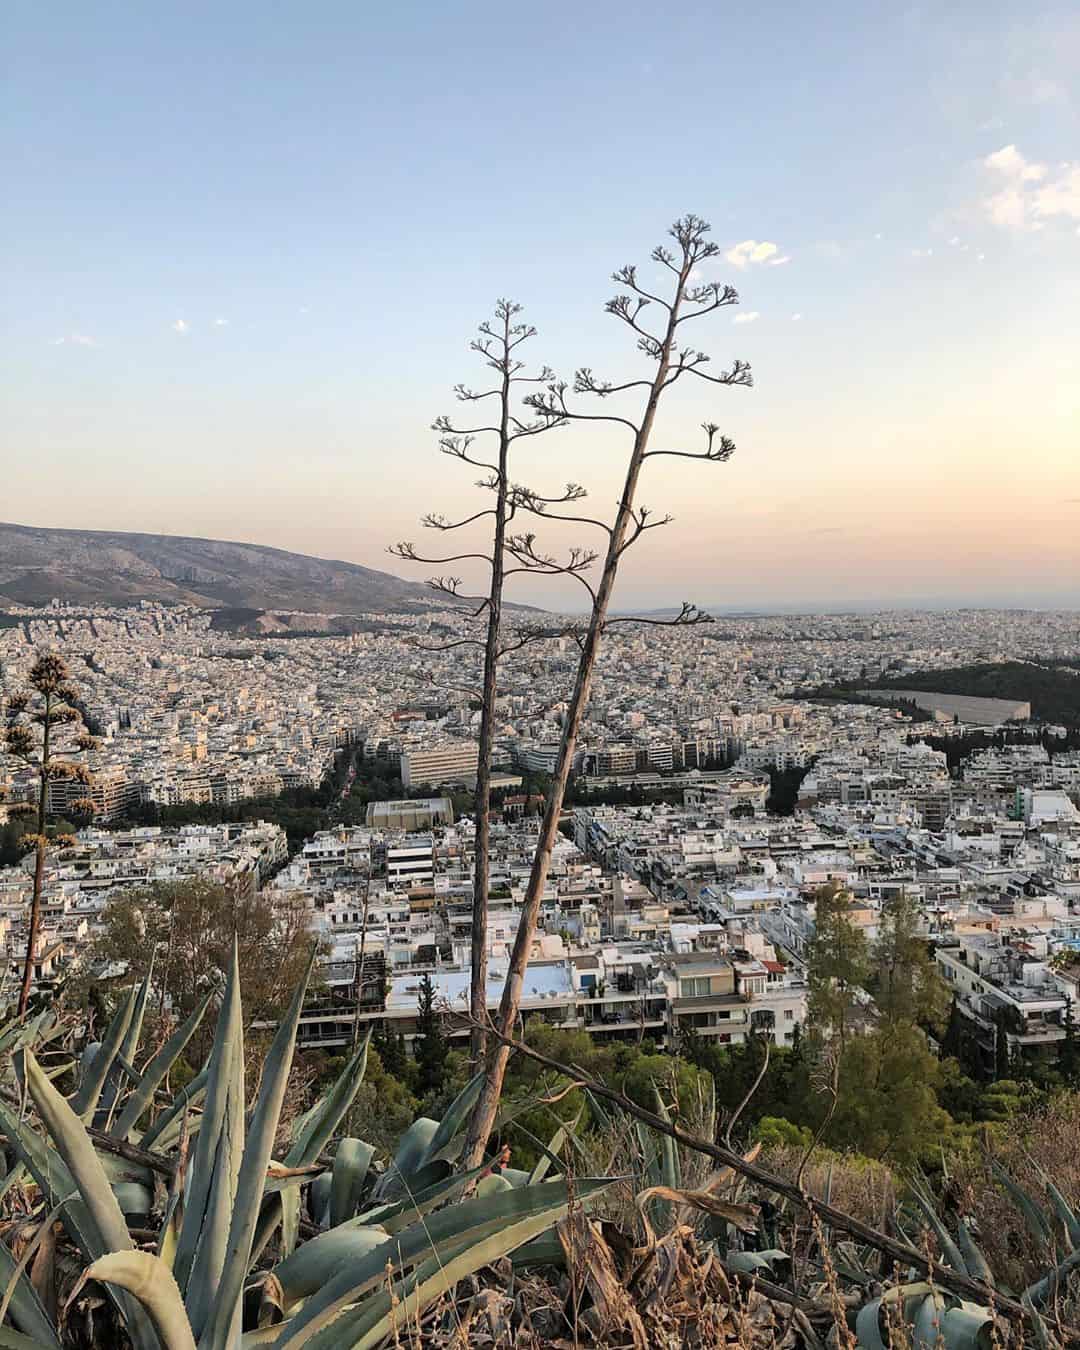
(245, 247)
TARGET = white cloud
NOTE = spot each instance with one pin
(753, 251)
(1032, 193)
(1061, 196)
(922, 252)
(795, 318)
(1010, 162)
(75, 340)
(779, 262)
(1007, 209)
(878, 235)
(750, 316)
(181, 326)
(221, 323)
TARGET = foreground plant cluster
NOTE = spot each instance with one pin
(133, 1216)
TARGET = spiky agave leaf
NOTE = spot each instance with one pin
(468, 1223)
(85, 1101)
(104, 1220)
(187, 1096)
(313, 1132)
(226, 1312)
(351, 1163)
(125, 1057)
(148, 1279)
(1038, 1225)
(212, 1177)
(154, 1073)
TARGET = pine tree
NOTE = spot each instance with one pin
(907, 986)
(430, 1048)
(837, 963)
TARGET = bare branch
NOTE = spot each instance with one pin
(640, 521)
(457, 447)
(718, 449)
(434, 521)
(627, 276)
(627, 308)
(712, 295)
(403, 549)
(551, 403)
(738, 376)
(585, 382)
(687, 616)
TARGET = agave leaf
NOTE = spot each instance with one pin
(215, 1136)
(412, 1296)
(455, 1119)
(1064, 1211)
(492, 1184)
(319, 1124)
(1041, 1290)
(772, 1262)
(106, 1226)
(85, 1100)
(149, 1279)
(1042, 1334)
(977, 1265)
(187, 1096)
(671, 1169)
(311, 1135)
(469, 1223)
(351, 1163)
(125, 1056)
(225, 1317)
(24, 1306)
(650, 1162)
(598, 1113)
(929, 1322)
(412, 1150)
(15, 1340)
(555, 1144)
(54, 1181)
(319, 1198)
(77, 1150)
(1037, 1223)
(315, 1261)
(545, 1250)
(154, 1073)
(868, 1319)
(968, 1327)
(949, 1250)
(399, 1214)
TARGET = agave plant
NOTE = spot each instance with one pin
(174, 1218)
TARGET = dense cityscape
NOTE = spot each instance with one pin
(713, 800)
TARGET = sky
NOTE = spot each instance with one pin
(245, 246)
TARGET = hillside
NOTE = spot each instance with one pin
(114, 568)
(1051, 686)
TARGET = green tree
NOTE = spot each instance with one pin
(33, 719)
(837, 963)
(390, 1046)
(907, 985)
(430, 1048)
(188, 927)
(887, 1102)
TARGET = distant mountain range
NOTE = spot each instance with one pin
(96, 567)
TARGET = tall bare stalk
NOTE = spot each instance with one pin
(497, 343)
(690, 299)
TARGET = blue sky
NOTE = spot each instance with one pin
(245, 247)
